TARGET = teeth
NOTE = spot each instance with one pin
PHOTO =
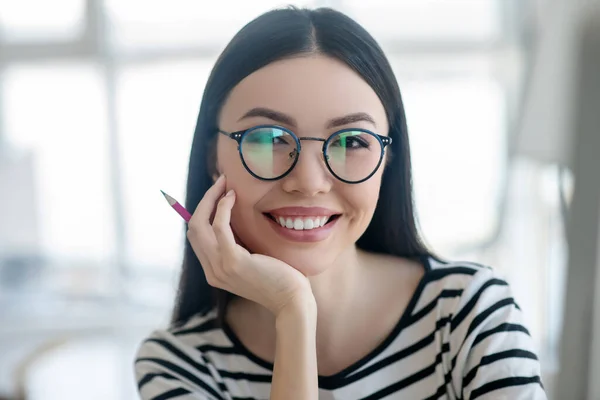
(300, 224)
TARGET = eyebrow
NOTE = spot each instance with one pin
(285, 119)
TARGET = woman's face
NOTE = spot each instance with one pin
(307, 95)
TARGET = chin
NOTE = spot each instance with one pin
(310, 258)
(309, 261)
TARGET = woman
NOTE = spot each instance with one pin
(304, 276)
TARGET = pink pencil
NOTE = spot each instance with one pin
(178, 207)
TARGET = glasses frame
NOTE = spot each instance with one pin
(239, 136)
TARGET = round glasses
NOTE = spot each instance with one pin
(270, 152)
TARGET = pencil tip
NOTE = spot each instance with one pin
(164, 194)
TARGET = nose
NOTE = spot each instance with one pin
(310, 175)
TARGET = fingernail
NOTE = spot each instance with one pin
(230, 193)
(220, 178)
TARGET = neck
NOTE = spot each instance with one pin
(336, 289)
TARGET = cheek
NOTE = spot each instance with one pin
(245, 219)
(228, 160)
(362, 199)
(245, 186)
(248, 223)
(243, 210)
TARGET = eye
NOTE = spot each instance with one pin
(350, 142)
(356, 142)
(272, 137)
(279, 140)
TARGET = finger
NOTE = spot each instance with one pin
(199, 229)
(214, 211)
(209, 200)
(221, 225)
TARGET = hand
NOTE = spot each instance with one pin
(227, 265)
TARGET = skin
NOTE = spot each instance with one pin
(272, 275)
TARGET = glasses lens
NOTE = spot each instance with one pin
(353, 155)
(269, 152)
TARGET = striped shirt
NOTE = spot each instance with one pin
(462, 336)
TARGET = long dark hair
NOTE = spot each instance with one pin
(286, 33)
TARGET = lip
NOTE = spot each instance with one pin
(302, 212)
(311, 235)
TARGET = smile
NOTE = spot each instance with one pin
(303, 223)
(303, 228)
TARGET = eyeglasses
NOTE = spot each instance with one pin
(270, 152)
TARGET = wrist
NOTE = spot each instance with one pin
(302, 307)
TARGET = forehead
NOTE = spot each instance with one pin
(312, 89)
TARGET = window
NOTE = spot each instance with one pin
(431, 21)
(457, 134)
(158, 106)
(182, 23)
(57, 111)
(39, 20)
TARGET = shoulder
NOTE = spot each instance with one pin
(462, 272)
(462, 279)
(466, 299)
(447, 284)
(475, 290)
(174, 358)
(199, 330)
(489, 349)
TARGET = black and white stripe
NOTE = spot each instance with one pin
(461, 337)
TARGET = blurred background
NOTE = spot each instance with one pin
(98, 102)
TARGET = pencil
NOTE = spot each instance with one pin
(177, 207)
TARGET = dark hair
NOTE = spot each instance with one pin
(286, 33)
